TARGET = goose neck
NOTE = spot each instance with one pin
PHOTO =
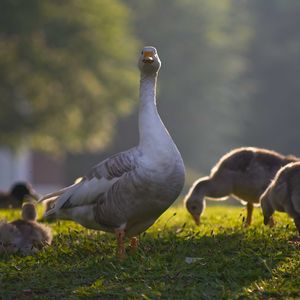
(152, 131)
(148, 89)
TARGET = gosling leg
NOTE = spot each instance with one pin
(296, 239)
(249, 214)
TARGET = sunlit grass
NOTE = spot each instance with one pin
(229, 261)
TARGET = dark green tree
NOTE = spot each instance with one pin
(67, 69)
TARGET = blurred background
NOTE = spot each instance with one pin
(69, 81)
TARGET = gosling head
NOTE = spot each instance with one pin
(149, 62)
(28, 212)
(267, 206)
(195, 207)
(195, 199)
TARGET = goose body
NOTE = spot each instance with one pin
(283, 194)
(128, 191)
(243, 173)
(24, 235)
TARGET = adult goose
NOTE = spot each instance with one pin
(243, 173)
(127, 192)
(25, 235)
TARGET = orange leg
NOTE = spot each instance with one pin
(134, 242)
(120, 235)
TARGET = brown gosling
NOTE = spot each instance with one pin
(243, 173)
(26, 235)
(283, 195)
(18, 192)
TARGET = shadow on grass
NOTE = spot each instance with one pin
(225, 263)
(81, 265)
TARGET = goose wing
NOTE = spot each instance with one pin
(96, 183)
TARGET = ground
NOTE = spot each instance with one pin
(220, 259)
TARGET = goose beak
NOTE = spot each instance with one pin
(196, 219)
(148, 57)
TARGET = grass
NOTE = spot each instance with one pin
(228, 261)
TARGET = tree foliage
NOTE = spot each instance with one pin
(273, 75)
(228, 77)
(67, 68)
(229, 73)
(202, 46)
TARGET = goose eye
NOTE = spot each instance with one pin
(142, 52)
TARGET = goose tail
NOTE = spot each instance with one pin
(55, 194)
(50, 207)
(58, 201)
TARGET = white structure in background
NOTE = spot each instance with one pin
(44, 173)
(14, 167)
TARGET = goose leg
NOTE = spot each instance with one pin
(249, 214)
(134, 242)
(120, 235)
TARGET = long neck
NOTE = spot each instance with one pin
(151, 129)
(202, 187)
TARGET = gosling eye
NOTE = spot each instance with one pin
(142, 52)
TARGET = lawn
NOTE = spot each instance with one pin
(220, 259)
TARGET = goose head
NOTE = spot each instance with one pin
(149, 62)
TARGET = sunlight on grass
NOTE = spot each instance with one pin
(225, 261)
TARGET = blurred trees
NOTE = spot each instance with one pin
(67, 68)
(229, 74)
(273, 75)
(202, 45)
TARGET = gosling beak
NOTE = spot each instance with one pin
(148, 57)
(196, 219)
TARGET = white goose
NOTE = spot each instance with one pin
(127, 192)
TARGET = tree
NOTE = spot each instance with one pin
(67, 69)
(202, 45)
(274, 69)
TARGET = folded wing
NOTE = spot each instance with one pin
(95, 184)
